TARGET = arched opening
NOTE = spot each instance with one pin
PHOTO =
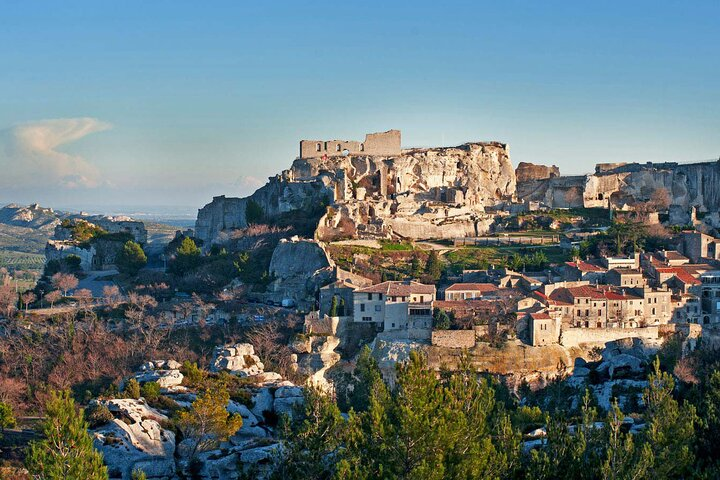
(318, 147)
(362, 147)
(338, 147)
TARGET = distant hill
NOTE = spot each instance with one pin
(24, 231)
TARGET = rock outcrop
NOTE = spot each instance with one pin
(134, 439)
(239, 359)
(626, 184)
(166, 373)
(526, 172)
(299, 268)
(432, 192)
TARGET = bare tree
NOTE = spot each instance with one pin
(84, 297)
(52, 297)
(8, 300)
(64, 282)
(111, 295)
(28, 298)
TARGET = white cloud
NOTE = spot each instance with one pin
(29, 155)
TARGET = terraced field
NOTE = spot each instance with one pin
(13, 260)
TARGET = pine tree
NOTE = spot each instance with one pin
(433, 267)
(623, 460)
(208, 422)
(670, 430)
(313, 442)
(67, 449)
(131, 258)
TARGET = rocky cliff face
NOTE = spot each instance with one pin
(687, 185)
(526, 172)
(279, 196)
(435, 192)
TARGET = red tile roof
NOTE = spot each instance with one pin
(471, 287)
(586, 266)
(586, 291)
(540, 316)
(399, 289)
(681, 273)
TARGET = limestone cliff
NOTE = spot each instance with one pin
(631, 184)
(529, 171)
(422, 193)
(279, 196)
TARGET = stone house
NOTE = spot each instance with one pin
(468, 291)
(621, 261)
(580, 270)
(625, 277)
(624, 310)
(583, 306)
(658, 308)
(544, 329)
(342, 290)
(395, 305)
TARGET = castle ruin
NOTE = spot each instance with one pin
(384, 144)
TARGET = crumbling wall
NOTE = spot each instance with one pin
(453, 338)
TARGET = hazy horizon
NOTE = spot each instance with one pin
(171, 103)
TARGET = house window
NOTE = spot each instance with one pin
(369, 296)
(362, 307)
(393, 325)
(318, 147)
(422, 299)
(362, 147)
(338, 147)
(379, 296)
(367, 319)
(579, 313)
(378, 308)
(587, 313)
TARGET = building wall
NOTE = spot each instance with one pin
(369, 310)
(657, 306)
(386, 144)
(544, 332)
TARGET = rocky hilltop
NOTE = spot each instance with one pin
(346, 189)
(420, 193)
(625, 185)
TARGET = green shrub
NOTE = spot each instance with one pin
(193, 376)
(132, 389)
(150, 391)
(97, 415)
(162, 402)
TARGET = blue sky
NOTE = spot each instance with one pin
(171, 102)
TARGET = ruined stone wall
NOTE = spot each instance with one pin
(375, 144)
(453, 338)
